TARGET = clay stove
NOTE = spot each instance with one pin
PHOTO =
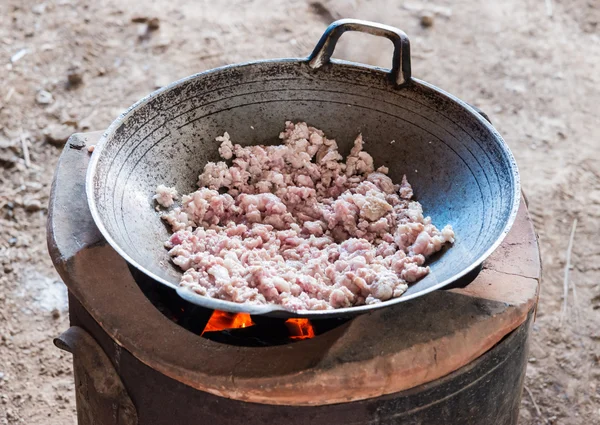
(143, 356)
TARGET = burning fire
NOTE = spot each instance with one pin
(221, 320)
(300, 328)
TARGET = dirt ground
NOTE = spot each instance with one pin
(74, 65)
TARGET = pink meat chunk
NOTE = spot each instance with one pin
(165, 196)
(295, 225)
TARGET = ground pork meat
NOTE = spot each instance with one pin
(295, 225)
(165, 196)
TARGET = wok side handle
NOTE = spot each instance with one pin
(464, 281)
(400, 73)
(480, 112)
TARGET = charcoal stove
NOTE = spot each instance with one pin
(144, 356)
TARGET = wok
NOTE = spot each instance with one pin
(460, 168)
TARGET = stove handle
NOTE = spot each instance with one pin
(400, 73)
(100, 394)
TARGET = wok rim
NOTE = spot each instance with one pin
(274, 309)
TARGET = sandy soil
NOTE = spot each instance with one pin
(535, 75)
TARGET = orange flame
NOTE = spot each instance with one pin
(300, 328)
(221, 320)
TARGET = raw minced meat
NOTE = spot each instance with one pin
(165, 196)
(294, 225)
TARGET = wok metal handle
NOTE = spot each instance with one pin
(400, 73)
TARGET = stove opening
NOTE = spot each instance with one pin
(267, 331)
(298, 328)
(239, 329)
